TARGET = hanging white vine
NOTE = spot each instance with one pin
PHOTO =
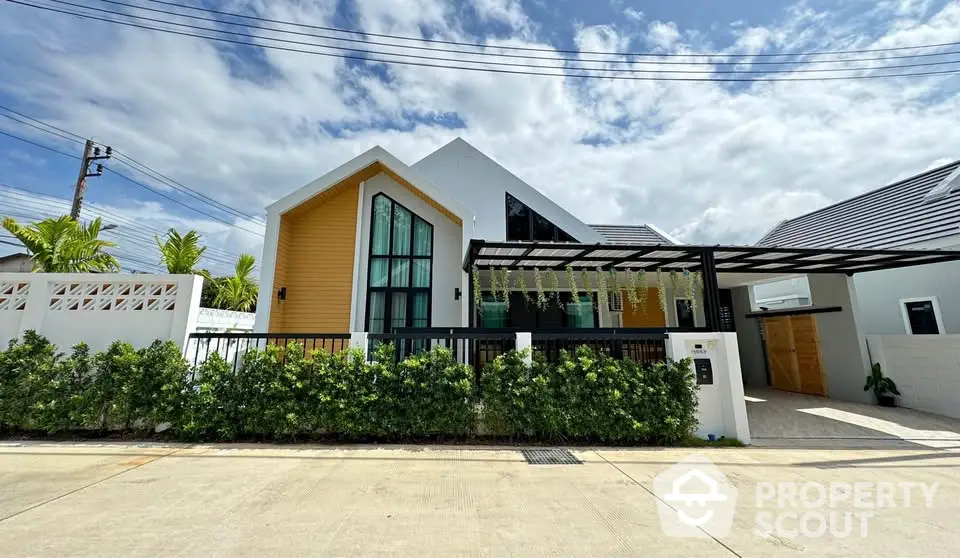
(675, 284)
(689, 289)
(661, 290)
(477, 295)
(699, 278)
(541, 296)
(632, 297)
(614, 284)
(587, 285)
(522, 285)
(553, 286)
(505, 285)
(603, 296)
(572, 283)
(642, 291)
(494, 280)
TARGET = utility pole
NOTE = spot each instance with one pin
(90, 154)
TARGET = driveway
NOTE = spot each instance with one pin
(783, 419)
(140, 500)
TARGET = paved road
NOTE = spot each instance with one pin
(129, 500)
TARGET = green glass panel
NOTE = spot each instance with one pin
(379, 269)
(382, 208)
(422, 238)
(400, 275)
(401, 231)
(421, 273)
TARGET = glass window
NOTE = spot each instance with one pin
(684, 312)
(922, 317)
(581, 315)
(524, 223)
(543, 229)
(382, 207)
(494, 313)
(401, 262)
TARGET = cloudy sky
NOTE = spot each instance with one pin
(707, 161)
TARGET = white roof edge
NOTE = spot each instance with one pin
(365, 159)
(945, 187)
(662, 233)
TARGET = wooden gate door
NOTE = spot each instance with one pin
(781, 357)
(806, 343)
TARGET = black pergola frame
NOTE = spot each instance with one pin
(709, 260)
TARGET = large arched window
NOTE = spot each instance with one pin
(399, 276)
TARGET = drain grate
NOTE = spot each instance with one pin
(550, 457)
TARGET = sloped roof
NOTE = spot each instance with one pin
(631, 234)
(896, 215)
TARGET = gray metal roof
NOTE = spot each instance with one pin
(630, 234)
(900, 214)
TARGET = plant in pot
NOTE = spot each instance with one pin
(884, 388)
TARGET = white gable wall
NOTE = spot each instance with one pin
(481, 184)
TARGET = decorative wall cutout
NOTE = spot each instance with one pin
(13, 295)
(113, 297)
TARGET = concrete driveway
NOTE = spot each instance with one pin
(139, 500)
(792, 420)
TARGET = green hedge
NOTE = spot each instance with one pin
(279, 394)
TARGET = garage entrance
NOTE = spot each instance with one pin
(793, 354)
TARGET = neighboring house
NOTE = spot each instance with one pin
(17, 263)
(377, 243)
(920, 212)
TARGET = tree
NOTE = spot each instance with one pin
(63, 245)
(181, 254)
(240, 291)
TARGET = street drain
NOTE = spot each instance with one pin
(550, 457)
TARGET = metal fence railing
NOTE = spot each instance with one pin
(641, 345)
(232, 346)
(473, 346)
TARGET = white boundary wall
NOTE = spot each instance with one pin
(99, 308)
(926, 369)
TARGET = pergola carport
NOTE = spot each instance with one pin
(844, 353)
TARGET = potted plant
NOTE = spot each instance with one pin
(883, 387)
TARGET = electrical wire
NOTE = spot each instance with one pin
(485, 48)
(541, 49)
(134, 164)
(496, 64)
(41, 129)
(492, 70)
(38, 145)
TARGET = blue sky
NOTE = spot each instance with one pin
(709, 162)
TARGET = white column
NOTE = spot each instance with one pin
(525, 341)
(268, 265)
(186, 312)
(38, 302)
(360, 340)
(843, 347)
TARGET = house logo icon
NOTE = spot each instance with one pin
(695, 499)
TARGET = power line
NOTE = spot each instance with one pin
(38, 145)
(39, 128)
(144, 169)
(492, 70)
(484, 48)
(489, 63)
(541, 49)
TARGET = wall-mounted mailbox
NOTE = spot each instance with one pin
(704, 371)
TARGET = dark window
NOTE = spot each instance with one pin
(524, 223)
(684, 312)
(399, 276)
(524, 316)
(922, 317)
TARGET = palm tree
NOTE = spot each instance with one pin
(240, 291)
(181, 254)
(63, 245)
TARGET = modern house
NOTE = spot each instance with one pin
(921, 212)
(456, 242)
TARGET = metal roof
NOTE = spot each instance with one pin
(900, 214)
(630, 234)
(730, 259)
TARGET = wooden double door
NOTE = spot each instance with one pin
(793, 354)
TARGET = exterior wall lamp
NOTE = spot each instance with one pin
(282, 293)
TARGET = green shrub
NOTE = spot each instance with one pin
(589, 396)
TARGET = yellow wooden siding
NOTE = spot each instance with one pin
(315, 263)
(649, 316)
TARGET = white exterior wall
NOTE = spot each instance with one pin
(842, 345)
(926, 369)
(100, 308)
(447, 273)
(722, 410)
(481, 184)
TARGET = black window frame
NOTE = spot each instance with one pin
(389, 290)
(559, 235)
(566, 298)
(676, 311)
(921, 305)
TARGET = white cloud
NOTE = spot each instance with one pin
(708, 162)
(633, 14)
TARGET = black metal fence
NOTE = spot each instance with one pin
(232, 346)
(473, 346)
(641, 345)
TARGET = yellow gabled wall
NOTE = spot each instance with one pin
(315, 249)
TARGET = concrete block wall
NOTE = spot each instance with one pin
(926, 369)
